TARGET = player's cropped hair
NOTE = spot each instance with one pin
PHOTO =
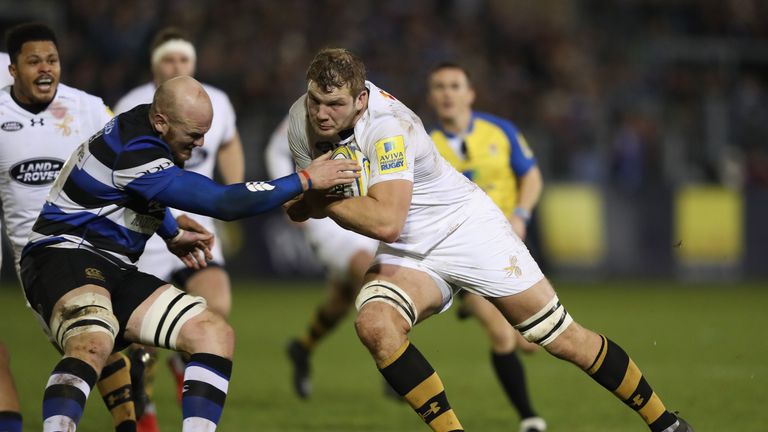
(17, 36)
(451, 65)
(169, 33)
(337, 67)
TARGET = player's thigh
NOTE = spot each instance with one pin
(519, 307)
(157, 311)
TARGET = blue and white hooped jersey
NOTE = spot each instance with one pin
(103, 198)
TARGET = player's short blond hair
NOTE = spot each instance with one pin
(335, 68)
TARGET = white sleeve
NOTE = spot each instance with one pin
(278, 154)
(390, 151)
(297, 134)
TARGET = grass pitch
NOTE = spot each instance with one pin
(701, 347)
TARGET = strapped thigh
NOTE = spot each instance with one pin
(164, 319)
(85, 313)
(387, 292)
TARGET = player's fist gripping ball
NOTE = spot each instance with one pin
(360, 186)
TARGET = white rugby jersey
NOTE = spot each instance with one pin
(203, 160)
(5, 76)
(394, 140)
(33, 149)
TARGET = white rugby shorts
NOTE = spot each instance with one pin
(482, 255)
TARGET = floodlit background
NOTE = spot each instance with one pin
(649, 119)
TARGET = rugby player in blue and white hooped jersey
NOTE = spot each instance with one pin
(41, 122)
(439, 232)
(172, 55)
(113, 193)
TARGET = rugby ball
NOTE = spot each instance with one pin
(360, 186)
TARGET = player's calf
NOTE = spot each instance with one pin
(606, 362)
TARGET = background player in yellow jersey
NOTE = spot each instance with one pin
(493, 153)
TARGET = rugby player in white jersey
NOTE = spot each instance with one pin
(346, 256)
(10, 416)
(439, 232)
(173, 55)
(41, 122)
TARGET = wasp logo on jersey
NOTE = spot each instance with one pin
(391, 154)
(12, 126)
(36, 172)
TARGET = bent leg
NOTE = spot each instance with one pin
(84, 327)
(393, 299)
(541, 318)
(173, 319)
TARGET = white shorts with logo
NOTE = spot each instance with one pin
(482, 255)
(335, 246)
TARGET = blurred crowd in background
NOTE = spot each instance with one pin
(638, 93)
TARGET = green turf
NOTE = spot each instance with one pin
(701, 347)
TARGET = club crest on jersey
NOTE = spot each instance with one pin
(391, 154)
(12, 126)
(36, 172)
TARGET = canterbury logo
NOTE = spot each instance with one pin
(513, 269)
(94, 273)
(259, 186)
(638, 400)
(434, 408)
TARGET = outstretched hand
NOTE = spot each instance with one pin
(193, 244)
(326, 173)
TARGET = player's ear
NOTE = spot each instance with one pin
(362, 100)
(12, 70)
(160, 123)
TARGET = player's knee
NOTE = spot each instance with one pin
(210, 333)
(546, 325)
(93, 348)
(379, 322)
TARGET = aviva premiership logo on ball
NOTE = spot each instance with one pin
(360, 186)
(391, 154)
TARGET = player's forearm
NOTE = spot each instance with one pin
(369, 217)
(197, 194)
(531, 185)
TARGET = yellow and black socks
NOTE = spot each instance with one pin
(509, 371)
(322, 323)
(411, 376)
(614, 370)
(65, 394)
(10, 421)
(115, 388)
